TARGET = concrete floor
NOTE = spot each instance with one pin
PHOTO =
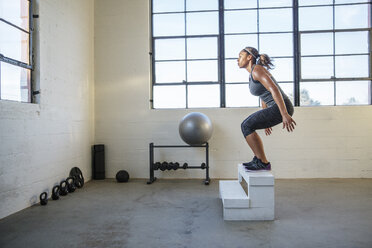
(186, 213)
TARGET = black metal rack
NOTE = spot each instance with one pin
(206, 167)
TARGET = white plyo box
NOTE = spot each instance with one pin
(233, 195)
(258, 203)
(248, 214)
(263, 178)
(261, 196)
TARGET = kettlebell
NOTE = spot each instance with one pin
(55, 192)
(77, 182)
(63, 188)
(44, 198)
(70, 184)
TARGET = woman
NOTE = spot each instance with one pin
(276, 105)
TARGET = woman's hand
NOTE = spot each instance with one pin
(288, 123)
(268, 131)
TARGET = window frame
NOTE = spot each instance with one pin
(296, 33)
(333, 31)
(185, 37)
(11, 61)
(258, 33)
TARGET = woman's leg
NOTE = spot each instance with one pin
(262, 119)
(255, 143)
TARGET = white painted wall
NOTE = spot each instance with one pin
(328, 141)
(40, 143)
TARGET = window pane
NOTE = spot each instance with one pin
(202, 23)
(275, 3)
(14, 43)
(238, 95)
(351, 42)
(320, 67)
(323, 20)
(275, 20)
(168, 24)
(169, 49)
(202, 71)
(235, 43)
(283, 70)
(236, 21)
(316, 93)
(16, 12)
(233, 73)
(202, 48)
(352, 66)
(276, 44)
(314, 2)
(239, 4)
(351, 16)
(203, 96)
(170, 72)
(192, 5)
(288, 90)
(170, 96)
(168, 5)
(352, 93)
(15, 83)
(349, 1)
(317, 44)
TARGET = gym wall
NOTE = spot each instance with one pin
(95, 88)
(40, 143)
(329, 142)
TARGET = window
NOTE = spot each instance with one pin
(185, 48)
(195, 45)
(271, 20)
(15, 50)
(335, 54)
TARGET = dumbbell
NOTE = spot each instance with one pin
(203, 166)
(169, 165)
(184, 166)
(176, 165)
(156, 166)
(163, 166)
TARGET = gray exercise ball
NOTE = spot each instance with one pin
(195, 128)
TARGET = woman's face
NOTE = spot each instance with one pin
(243, 59)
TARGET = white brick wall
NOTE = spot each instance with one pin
(40, 143)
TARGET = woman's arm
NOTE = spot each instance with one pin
(260, 74)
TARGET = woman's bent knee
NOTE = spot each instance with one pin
(246, 128)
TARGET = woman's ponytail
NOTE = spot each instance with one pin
(265, 61)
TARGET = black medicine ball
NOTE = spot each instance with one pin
(122, 176)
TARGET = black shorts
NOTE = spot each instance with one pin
(265, 118)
